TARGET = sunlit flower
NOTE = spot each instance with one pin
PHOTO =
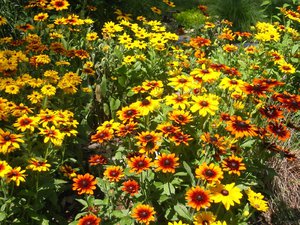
(257, 200)
(279, 130)
(177, 223)
(97, 159)
(271, 112)
(41, 17)
(204, 218)
(84, 184)
(198, 198)
(182, 82)
(241, 128)
(59, 5)
(166, 163)
(180, 117)
(149, 141)
(227, 194)
(205, 104)
(139, 164)
(102, 135)
(143, 214)
(26, 123)
(9, 141)
(131, 187)
(17, 175)
(4, 168)
(128, 113)
(287, 68)
(38, 165)
(113, 173)
(52, 134)
(89, 219)
(179, 138)
(167, 129)
(68, 171)
(211, 173)
(233, 165)
(126, 129)
(146, 106)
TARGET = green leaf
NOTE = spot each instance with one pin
(183, 211)
(103, 86)
(248, 144)
(106, 109)
(2, 216)
(168, 189)
(45, 222)
(83, 202)
(126, 221)
(163, 198)
(294, 49)
(190, 173)
(114, 104)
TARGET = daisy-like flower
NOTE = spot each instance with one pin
(230, 48)
(216, 140)
(38, 165)
(177, 101)
(199, 42)
(180, 117)
(84, 184)
(271, 112)
(59, 5)
(68, 171)
(227, 194)
(97, 159)
(287, 68)
(231, 84)
(179, 137)
(211, 173)
(128, 113)
(113, 173)
(241, 128)
(53, 135)
(131, 187)
(126, 129)
(205, 74)
(166, 163)
(257, 200)
(139, 164)
(149, 141)
(41, 17)
(9, 141)
(204, 218)
(16, 174)
(4, 168)
(146, 106)
(102, 135)
(279, 130)
(233, 165)
(167, 129)
(205, 104)
(89, 219)
(256, 89)
(143, 214)
(198, 198)
(182, 82)
(26, 123)
(92, 36)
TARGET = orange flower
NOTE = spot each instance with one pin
(233, 165)
(180, 117)
(9, 141)
(139, 163)
(198, 198)
(279, 130)
(143, 214)
(128, 113)
(84, 184)
(89, 219)
(102, 135)
(59, 5)
(211, 173)
(125, 129)
(166, 163)
(241, 128)
(114, 173)
(131, 187)
(97, 160)
(179, 137)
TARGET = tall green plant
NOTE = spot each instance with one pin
(243, 13)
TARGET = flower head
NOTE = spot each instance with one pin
(84, 184)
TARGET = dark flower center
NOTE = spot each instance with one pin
(179, 99)
(7, 138)
(199, 198)
(26, 121)
(167, 162)
(209, 173)
(242, 125)
(84, 183)
(213, 139)
(204, 103)
(180, 117)
(145, 102)
(224, 192)
(182, 80)
(129, 113)
(143, 214)
(140, 164)
(233, 82)
(148, 137)
(205, 71)
(113, 173)
(233, 164)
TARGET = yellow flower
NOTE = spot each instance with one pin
(41, 17)
(48, 90)
(204, 218)
(257, 200)
(17, 175)
(4, 168)
(92, 36)
(205, 104)
(38, 165)
(177, 223)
